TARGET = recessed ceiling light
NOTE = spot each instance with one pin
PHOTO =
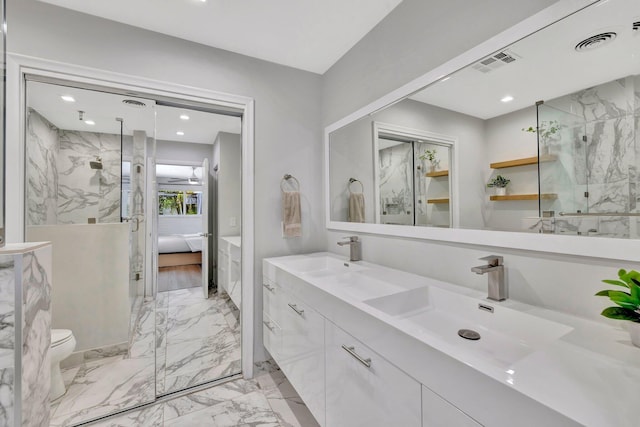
(89, 122)
(507, 98)
(67, 98)
(180, 133)
(184, 117)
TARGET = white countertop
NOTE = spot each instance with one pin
(590, 375)
(233, 240)
(20, 248)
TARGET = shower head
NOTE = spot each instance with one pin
(96, 164)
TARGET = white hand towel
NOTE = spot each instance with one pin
(291, 214)
(356, 207)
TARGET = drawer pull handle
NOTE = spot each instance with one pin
(268, 325)
(352, 351)
(269, 288)
(296, 309)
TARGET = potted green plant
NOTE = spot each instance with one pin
(627, 302)
(430, 155)
(547, 131)
(499, 183)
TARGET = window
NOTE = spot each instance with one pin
(177, 202)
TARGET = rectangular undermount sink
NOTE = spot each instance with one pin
(506, 335)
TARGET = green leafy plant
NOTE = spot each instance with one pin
(429, 155)
(499, 181)
(546, 129)
(627, 300)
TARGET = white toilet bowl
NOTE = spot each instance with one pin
(62, 345)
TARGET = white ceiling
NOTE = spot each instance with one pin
(103, 108)
(309, 35)
(548, 66)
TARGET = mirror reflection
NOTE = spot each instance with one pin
(138, 308)
(545, 131)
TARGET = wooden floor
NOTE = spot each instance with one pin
(179, 277)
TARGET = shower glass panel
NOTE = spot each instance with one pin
(590, 161)
(413, 182)
(82, 158)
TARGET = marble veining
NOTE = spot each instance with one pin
(598, 174)
(7, 339)
(61, 187)
(36, 337)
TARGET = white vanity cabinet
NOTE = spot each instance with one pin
(302, 358)
(437, 412)
(364, 389)
(230, 267)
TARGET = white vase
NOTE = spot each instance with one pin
(501, 191)
(634, 332)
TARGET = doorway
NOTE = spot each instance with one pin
(142, 290)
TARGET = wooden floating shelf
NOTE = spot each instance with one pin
(437, 174)
(548, 196)
(523, 162)
(438, 201)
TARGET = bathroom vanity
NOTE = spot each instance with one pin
(230, 266)
(366, 345)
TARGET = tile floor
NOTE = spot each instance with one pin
(268, 400)
(195, 340)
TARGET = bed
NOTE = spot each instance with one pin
(179, 249)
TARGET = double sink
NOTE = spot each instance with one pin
(438, 314)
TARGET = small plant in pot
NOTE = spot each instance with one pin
(500, 184)
(627, 302)
(430, 155)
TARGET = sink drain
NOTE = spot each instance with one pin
(468, 334)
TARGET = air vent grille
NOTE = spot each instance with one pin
(496, 61)
(636, 26)
(134, 103)
(596, 41)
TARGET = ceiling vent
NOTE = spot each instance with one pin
(596, 41)
(133, 103)
(496, 61)
(636, 26)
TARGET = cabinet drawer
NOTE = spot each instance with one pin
(365, 390)
(271, 299)
(272, 337)
(302, 358)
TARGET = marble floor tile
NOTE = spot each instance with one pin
(284, 401)
(247, 410)
(104, 386)
(201, 400)
(148, 417)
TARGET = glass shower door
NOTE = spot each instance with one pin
(563, 172)
(80, 163)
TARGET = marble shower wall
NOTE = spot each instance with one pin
(25, 334)
(42, 170)
(605, 165)
(61, 187)
(84, 192)
(395, 174)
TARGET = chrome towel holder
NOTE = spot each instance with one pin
(353, 180)
(286, 178)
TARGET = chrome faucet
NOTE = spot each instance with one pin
(354, 248)
(495, 270)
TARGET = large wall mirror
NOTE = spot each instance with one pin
(555, 116)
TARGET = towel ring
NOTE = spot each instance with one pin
(286, 178)
(351, 181)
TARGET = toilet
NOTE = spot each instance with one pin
(62, 345)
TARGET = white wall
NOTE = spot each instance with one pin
(229, 196)
(405, 45)
(287, 120)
